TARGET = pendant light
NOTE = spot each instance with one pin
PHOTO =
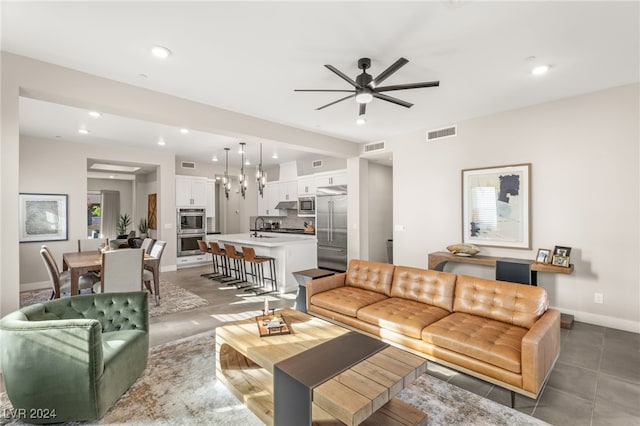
(261, 175)
(242, 178)
(226, 182)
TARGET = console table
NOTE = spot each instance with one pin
(437, 260)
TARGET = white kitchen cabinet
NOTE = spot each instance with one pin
(307, 186)
(269, 200)
(330, 179)
(288, 191)
(191, 191)
(211, 198)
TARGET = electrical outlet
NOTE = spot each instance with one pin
(598, 298)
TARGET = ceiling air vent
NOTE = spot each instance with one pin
(188, 165)
(446, 132)
(375, 146)
(316, 163)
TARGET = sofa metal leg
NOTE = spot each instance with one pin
(513, 399)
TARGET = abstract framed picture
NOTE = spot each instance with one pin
(496, 206)
(43, 217)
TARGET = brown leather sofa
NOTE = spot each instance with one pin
(501, 332)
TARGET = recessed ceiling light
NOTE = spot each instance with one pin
(274, 156)
(247, 162)
(83, 131)
(94, 114)
(214, 158)
(540, 69)
(161, 142)
(160, 52)
(184, 131)
(112, 177)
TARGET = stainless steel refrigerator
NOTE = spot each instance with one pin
(331, 227)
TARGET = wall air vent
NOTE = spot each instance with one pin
(316, 163)
(188, 165)
(375, 146)
(446, 132)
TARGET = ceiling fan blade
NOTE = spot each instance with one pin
(335, 102)
(392, 100)
(342, 75)
(363, 108)
(407, 86)
(321, 90)
(386, 73)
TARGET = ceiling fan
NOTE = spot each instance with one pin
(366, 87)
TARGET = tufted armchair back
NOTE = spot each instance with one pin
(424, 285)
(368, 275)
(516, 304)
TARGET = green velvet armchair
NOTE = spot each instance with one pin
(72, 358)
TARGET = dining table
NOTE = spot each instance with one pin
(83, 262)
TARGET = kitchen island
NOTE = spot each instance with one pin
(292, 253)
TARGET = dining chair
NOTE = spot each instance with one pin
(151, 270)
(147, 243)
(92, 244)
(61, 281)
(121, 271)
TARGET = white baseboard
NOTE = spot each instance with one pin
(35, 286)
(168, 268)
(603, 320)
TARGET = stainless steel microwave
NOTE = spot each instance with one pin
(306, 206)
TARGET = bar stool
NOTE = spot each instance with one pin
(257, 269)
(202, 245)
(238, 269)
(221, 263)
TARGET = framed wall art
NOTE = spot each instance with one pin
(496, 206)
(43, 217)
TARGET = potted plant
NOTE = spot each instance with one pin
(123, 224)
(143, 227)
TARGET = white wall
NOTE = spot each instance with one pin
(380, 207)
(585, 193)
(40, 165)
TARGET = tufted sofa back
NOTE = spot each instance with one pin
(424, 285)
(372, 276)
(512, 303)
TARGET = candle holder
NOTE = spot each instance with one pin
(270, 311)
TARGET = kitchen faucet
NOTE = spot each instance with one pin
(255, 225)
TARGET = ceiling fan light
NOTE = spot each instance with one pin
(361, 120)
(364, 98)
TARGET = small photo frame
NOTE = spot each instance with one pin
(562, 251)
(560, 261)
(543, 256)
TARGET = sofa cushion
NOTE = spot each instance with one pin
(424, 285)
(346, 300)
(484, 339)
(515, 304)
(372, 276)
(403, 316)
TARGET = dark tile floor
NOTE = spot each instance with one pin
(596, 380)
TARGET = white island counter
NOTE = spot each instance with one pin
(292, 253)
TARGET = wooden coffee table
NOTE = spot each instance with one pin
(362, 393)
